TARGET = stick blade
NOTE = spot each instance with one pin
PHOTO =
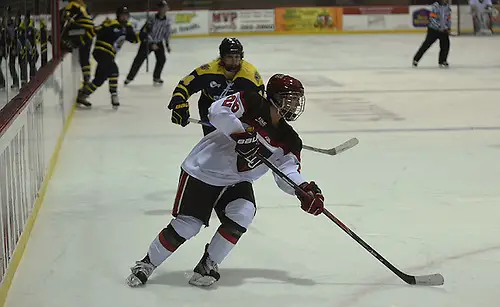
(429, 280)
(344, 146)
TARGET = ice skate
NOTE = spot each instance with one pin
(81, 99)
(127, 82)
(140, 273)
(114, 101)
(157, 82)
(444, 64)
(206, 272)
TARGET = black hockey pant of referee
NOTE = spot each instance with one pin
(142, 54)
(106, 70)
(432, 36)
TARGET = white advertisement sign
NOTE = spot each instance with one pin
(183, 22)
(189, 22)
(242, 21)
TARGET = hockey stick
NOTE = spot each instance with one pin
(423, 280)
(331, 152)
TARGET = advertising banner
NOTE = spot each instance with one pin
(375, 10)
(189, 22)
(309, 19)
(242, 21)
(183, 22)
(495, 18)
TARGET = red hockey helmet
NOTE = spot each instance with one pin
(287, 94)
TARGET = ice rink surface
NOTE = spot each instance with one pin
(422, 187)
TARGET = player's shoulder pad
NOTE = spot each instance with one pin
(256, 105)
(250, 72)
(110, 23)
(71, 5)
(209, 68)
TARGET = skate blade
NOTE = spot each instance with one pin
(83, 105)
(202, 281)
(133, 281)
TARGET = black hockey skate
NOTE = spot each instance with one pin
(114, 101)
(206, 272)
(127, 81)
(81, 99)
(141, 271)
(414, 63)
(158, 82)
(444, 64)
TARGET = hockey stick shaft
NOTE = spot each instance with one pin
(432, 280)
(331, 152)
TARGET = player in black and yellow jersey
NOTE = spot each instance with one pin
(15, 48)
(222, 77)
(44, 39)
(111, 36)
(78, 32)
(29, 52)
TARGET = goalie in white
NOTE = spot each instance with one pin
(481, 11)
(214, 177)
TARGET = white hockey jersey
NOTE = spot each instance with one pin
(480, 7)
(214, 160)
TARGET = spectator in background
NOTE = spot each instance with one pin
(438, 28)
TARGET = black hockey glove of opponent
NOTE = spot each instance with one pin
(314, 202)
(247, 146)
(180, 112)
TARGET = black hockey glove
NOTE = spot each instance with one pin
(180, 112)
(247, 146)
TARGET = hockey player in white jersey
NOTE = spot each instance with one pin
(214, 177)
(481, 11)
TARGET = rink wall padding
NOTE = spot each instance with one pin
(35, 123)
(304, 20)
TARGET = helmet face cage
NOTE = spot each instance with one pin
(290, 104)
(287, 95)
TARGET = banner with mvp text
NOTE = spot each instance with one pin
(242, 21)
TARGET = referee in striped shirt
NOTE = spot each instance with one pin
(153, 33)
(438, 28)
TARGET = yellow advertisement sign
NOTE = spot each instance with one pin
(309, 19)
